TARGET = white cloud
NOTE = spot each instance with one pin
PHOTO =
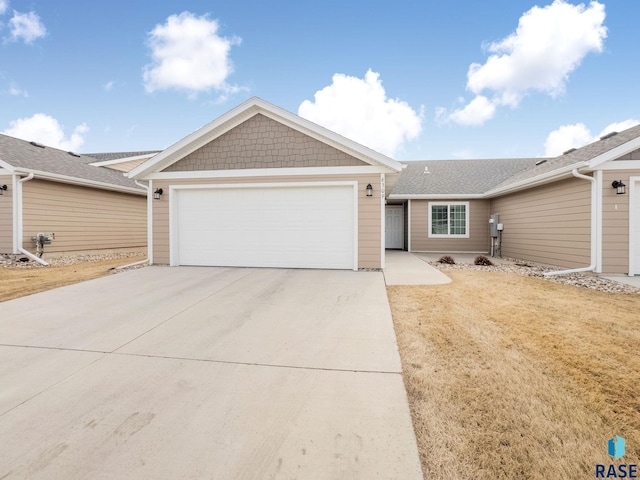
(46, 130)
(549, 43)
(578, 135)
(108, 86)
(4, 5)
(476, 112)
(16, 91)
(26, 26)
(567, 137)
(619, 126)
(360, 110)
(188, 54)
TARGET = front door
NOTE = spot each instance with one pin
(394, 226)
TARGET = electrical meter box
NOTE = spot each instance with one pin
(494, 223)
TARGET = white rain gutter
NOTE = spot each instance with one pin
(146, 260)
(594, 228)
(18, 235)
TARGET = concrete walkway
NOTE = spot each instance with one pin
(217, 373)
(404, 268)
(627, 280)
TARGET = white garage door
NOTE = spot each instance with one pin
(308, 226)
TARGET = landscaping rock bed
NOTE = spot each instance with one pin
(22, 261)
(584, 280)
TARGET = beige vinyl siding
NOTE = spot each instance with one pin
(550, 224)
(615, 222)
(261, 142)
(369, 212)
(82, 218)
(6, 216)
(478, 240)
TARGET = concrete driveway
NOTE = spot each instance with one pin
(205, 373)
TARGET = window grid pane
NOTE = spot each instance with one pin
(458, 220)
(439, 220)
(449, 220)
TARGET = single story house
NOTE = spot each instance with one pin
(260, 186)
(50, 191)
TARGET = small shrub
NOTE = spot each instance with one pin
(447, 259)
(482, 260)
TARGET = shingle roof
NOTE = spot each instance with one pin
(477, 177)
(583, 154)
(25, 155)
(463, 177)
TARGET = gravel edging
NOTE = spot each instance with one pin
(584, 280)
(14, 261)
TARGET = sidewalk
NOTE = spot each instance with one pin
(404, 268)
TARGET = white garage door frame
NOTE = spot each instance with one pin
(174, 257)
(634, 226)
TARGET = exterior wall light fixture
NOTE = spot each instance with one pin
(3, 188)
(157, 193)
(619, 186)
(369, 190)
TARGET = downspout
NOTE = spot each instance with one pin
(146, 260)
(18, 234)
(594, 229)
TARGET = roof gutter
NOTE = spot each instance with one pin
(537, 180)
(594, 229)
(77, 181)
(435, 196)
(17, 239)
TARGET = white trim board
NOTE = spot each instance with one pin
(266, 172)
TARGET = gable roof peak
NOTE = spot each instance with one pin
(243, 112)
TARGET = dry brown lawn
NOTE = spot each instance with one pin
(513, 377)
(18, 282)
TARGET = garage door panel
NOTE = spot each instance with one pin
(303, 227)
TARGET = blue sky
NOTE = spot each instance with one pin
(414, 80)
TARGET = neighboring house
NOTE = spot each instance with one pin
(46, 190)
(560, 211)
(262, 187)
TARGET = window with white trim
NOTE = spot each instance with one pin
(449, 220)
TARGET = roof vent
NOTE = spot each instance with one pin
(540, 162)
(608, 135)
(426, 170)
(36, 144)
(74, 154)
(569, 151)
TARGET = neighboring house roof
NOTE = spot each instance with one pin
(486, 178)
(459, 178)
(607, 148)
(247, 110)
(20, 156)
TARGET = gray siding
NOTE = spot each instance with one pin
(263, 143)
(550, 224)
(478, 240)
(82, 218)
(615, 222)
